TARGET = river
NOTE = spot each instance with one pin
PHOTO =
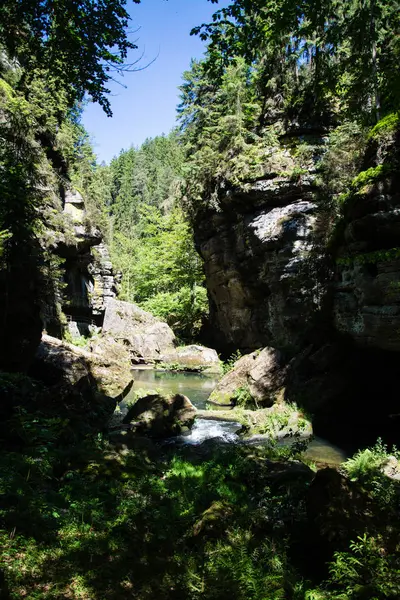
(198, 387)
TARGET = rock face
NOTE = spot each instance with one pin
(162, 416)
(146, 336)
(259, 372)
(350, 383)
(334, 313)
(367, 290)
(86, 269)
(195, 358)
(103, 287)
(57, 360)
(258, 252)
(150, 340)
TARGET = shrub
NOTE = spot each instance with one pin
(229, 364)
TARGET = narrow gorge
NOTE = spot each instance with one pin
(199, 330)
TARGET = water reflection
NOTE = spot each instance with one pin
(196, 386)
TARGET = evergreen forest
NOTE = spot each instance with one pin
(254, 252)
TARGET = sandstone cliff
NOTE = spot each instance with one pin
(334, 310)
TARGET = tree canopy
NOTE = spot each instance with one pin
(81, 43)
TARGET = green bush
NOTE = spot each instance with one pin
(229, 364)
(366, 571)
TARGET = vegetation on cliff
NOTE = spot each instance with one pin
(276, 77)
(286, 89)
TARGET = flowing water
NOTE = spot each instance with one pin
(198, 387)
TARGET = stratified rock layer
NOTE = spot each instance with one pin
(333, 312)
(257, 256)
(367, 290)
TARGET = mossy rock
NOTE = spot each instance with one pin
(161, 416)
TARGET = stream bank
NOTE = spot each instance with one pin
(277, 424)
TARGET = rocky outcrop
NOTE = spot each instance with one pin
(260, 373)
(147, 337)
(150, 340)
(350, 382)
(86, 269)
(161, 416)
(259, 249)
(367, 289)
(332, 310)
(103, 288)
(59, 361)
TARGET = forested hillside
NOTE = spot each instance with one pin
(149, 237)
(266, 224)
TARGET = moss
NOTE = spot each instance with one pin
(360, 184)
(371, 257)
(371, 175)
(388, 125)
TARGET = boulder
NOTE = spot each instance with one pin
(278, 422)
(340, 510)
(194, 358)
(391, 468)
(58, 361)
(161, 416)
(259, 372)
(214, 521)
(147, 337)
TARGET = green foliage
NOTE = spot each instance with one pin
(243, 398)
(219, 126)
(275, 69)
(371, 175)
(84, 520)
(386, 126)
(4, 235)
(79, 43)
(151, 242)
(370, 257)
(175, 366)
(110, 522)
(321, 55)
(228, 365)
(365, 462)
(366, 571)
(342, 160)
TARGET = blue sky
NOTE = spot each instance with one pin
(147, 107)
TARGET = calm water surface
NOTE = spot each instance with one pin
(195, 386)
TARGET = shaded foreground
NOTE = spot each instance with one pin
(88, 520)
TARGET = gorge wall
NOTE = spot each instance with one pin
(334, 309)
(86, 273)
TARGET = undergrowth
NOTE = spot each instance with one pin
(88, 521)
